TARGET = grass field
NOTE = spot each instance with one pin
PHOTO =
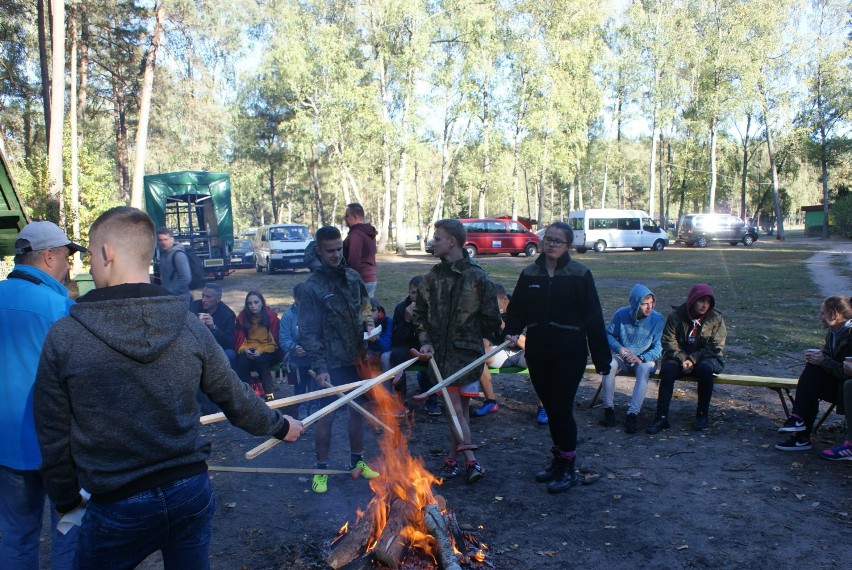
(766, 294)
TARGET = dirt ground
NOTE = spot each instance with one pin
(724, 498)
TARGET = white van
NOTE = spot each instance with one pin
(605, 228)
(280, 246)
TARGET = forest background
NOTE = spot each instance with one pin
(428, 109)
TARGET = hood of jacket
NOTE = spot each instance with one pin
(137, 320)
(365, 228)
(638, 293)
(696, 292)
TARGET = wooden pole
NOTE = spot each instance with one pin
(333, 406)
(277, 470)
(456, 425)
(455, 376)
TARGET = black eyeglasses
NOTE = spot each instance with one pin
(554, 241)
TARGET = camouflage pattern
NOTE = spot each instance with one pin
(333, 312)
(456, 308)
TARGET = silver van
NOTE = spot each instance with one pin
(605, 228)
(280, 246)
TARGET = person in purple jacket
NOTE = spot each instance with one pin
(693, 339)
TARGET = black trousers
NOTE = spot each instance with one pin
(556, 382)
(814, 385)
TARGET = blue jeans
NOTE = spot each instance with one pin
(22, 501)
(175, 518)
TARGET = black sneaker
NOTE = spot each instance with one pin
(657, 426)
(474, 472)
(450, 469)
(793, 424)
(701, 422)
(795, 443)
(608, 419)
(630, 424)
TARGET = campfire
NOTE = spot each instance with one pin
(405, 525)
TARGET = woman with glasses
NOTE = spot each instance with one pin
(557, 303)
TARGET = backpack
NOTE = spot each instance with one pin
(196, 269)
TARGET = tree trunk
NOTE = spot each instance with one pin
(315, 182)
(136, 197)
(652, 167)
(119, 114)
(77, 265)
(713, 126)
(486, 150)
(779, 217)
(745, 169)
(273, 203)
(43, 67)
(823, 156)
(57, 108)
(83, 67)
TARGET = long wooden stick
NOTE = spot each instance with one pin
(455, 376)
(280, 470)
(360, 409)
(456, 425)
(322, 412)
(284, 402)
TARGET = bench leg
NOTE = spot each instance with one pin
(783, 401)
(823, 418)
(597, 394)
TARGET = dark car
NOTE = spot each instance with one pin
(701, 229)
(242, 254)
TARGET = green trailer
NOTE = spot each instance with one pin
(196, 206)
(12, 216)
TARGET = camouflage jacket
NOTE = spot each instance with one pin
(333, 311)
(456, 308)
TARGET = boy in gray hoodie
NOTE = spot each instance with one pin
(116, 410)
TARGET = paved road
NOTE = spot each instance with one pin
(831, 268)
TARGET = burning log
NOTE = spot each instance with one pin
(392, 543)
(439, 529)
(351, 545)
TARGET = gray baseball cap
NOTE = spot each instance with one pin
(43, 235)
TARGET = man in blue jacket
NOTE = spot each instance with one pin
(32, 298)
(634, 335)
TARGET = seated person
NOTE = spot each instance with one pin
(843, 452)
(823, 376)
(298, 363)
(693, 339)
(218, 317)
(634, 335)
(403, 340)
(256, 342)
(379, 346)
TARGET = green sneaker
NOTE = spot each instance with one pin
(366, 471)
(320, 483)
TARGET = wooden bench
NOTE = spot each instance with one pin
(780, 386)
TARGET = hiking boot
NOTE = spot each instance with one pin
(474, 472)
(301, 412)
(547, 474)
(320, 484)
(795, 443)
(432, 407)
(842, 452)
(366, 471)
(793, 424)
(701, 422)
(450, 469)
(269, 397)
(608, 419)
(489, 407)
(630, 424)
(658, 425)
(541, 416)
(564, 476)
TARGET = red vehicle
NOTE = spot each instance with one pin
(492, 235)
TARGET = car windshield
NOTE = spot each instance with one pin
(242, 244)
(289, 234)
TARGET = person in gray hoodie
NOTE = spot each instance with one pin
(634, 339)
(175, 273)
(116, 409)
